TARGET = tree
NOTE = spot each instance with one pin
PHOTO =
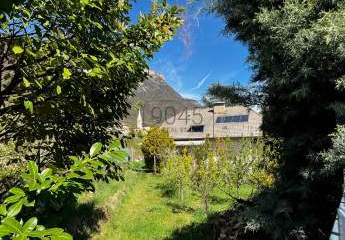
(235, 94)
(157, 145)
(206, 172)
(296, 50)
(250, 162)
(68, 68)
(177, 173)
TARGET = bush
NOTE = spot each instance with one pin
(46, 191)
(334, 158)
(156, 146)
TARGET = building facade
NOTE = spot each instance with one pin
(193, 126)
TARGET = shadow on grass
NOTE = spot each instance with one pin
(81, 220)
(218, 200)
(197, 231)
(179, 208)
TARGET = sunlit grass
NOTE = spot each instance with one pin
(137, 209)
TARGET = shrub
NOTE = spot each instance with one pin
(44, 190)
(156, 146)
(334, 158)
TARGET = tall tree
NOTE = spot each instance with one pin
(297, 52)
(68, 67)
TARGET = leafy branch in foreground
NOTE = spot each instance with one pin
(42, 188)
(68, 67)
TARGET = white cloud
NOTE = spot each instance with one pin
(193, 96)
(202, 81)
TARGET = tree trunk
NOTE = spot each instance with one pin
(154, 165)
(206, 203)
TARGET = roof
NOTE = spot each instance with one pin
(189, 143)
(179, 126)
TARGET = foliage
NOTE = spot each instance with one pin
(296, 48)
(177, 173)
(206, 174)
(45, 189)
(156, 145)
(334, 158)
(11, 165)
(68, 67)
(249, 162)
(232, 95)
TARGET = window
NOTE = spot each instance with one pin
(233, 119)
(196, 128)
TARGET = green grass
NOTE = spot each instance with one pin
(137, 209)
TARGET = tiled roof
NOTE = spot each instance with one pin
(179, 126)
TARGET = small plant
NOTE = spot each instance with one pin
(156, 146)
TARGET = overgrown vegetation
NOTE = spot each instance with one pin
(47, 192)
(68, 68)
(296, 48)
(222, 165)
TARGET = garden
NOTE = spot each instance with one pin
(68, 70)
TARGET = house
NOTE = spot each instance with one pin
(193, 126)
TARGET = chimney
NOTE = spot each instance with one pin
(219, 107)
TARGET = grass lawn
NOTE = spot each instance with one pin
(137, 209)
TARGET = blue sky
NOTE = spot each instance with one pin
(199, 54)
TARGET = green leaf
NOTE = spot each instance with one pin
(29, 106)
(29, 204)
(31, 178)
(15, 208)
(66, 73)
(84, 2)
(46, 172)
(17, 191)
(17, 49)
(3, 210)
(30, 224)
(58, 90)
(4, 231)
(13, 225)
(12, 199)
(95, 149)
(26, 83)
(20, 237)
(33, 168)
(95, 72)
(64, 236)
